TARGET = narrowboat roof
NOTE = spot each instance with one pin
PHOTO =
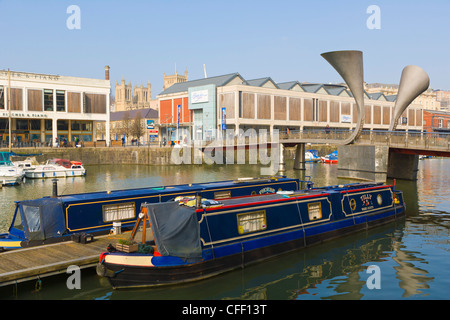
(173, 189)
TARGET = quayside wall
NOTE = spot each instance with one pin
(133, 155)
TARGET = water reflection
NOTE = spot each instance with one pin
(413, 279)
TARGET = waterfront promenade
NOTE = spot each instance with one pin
(42, 261)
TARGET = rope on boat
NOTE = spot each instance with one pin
(301, 221)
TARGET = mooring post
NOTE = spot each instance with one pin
(55, 188)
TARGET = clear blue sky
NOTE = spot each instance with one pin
(141, 40)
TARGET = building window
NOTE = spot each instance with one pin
(76, 126)
(2, 97)
(63, 125)
(35, 125)
(48, 125)
(251, 222)
(86, 126)
(60, 100)
(48, 100)
(22, 125)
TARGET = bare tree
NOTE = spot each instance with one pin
(126, 124)
(137, 126)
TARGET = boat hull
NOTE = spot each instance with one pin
(11, 180)
(141, 270)
(39, 174)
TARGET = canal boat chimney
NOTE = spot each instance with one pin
(55, 188)
(198, 201)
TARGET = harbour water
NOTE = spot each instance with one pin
(410, 257)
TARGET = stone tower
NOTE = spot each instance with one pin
(174, 78)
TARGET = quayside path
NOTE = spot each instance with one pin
(42, 261)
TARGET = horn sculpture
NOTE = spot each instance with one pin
(349, 64)
(413, 82)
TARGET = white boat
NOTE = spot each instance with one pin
(57, 168)
(311, 156)
(9, 174)
(25, 165)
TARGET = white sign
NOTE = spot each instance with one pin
(21, 114)
(346, 118)
(199, 96)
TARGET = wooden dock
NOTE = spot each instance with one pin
(42, 261)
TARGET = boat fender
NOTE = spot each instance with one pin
(101, 258)
(101, 269)
(38, 285)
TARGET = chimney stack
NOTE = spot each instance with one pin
(106, 72)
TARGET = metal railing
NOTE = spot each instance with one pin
(401, 139)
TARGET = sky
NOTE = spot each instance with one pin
(283, 39)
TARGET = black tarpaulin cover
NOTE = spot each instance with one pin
(176, 229)
(42, 218)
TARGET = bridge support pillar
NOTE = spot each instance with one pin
(363, 162)
(375, 163)
(403, 166)
(299, 162)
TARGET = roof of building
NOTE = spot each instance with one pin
(261, 82)
(289, 85)
(145, 114)
(323, 88)
(218, 81)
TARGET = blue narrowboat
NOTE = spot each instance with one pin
(190, 243)
(65, 217)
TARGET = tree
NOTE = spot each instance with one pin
(137, 126)
(126, 125)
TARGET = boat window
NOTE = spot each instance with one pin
(118, 211)
(222, 195)
(18, 220)
(252, 221)
(315, 210)
(32, 217)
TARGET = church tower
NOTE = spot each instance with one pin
(169, 80)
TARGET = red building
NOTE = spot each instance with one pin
(436, 121)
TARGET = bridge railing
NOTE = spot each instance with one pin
(400, 139)
(407, 139)
(315, 134)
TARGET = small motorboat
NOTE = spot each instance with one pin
(25, 165)
(330, 158)
(312, 156)
(9, 174)
(56, 168)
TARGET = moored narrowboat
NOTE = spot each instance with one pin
(63, 217)
(190, 243)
